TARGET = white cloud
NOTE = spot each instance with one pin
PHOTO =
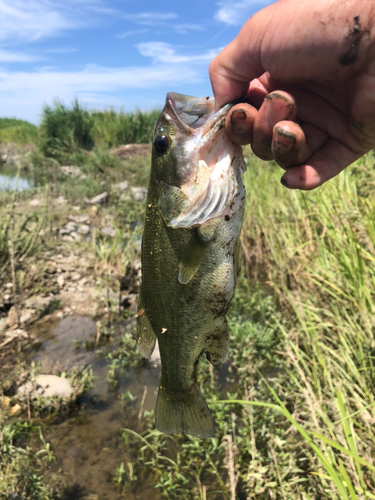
(162, 52)
(151, 18)
(23, 93)
(15, 57)
(238, 13)
(31, 20)
(133, 32)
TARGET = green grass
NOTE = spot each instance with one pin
(316, 250)
(67, 129)
(17, 131)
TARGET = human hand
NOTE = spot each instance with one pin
(308, 71)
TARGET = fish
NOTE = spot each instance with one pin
(190, 254)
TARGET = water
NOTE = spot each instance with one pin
(8, 179)
(87, 442)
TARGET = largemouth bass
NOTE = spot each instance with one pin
(190, 247)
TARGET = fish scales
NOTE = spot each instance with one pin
(190, 245)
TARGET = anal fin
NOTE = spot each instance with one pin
(146, 336)
(218, 351)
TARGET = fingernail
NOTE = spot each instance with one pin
(238, 115)
(239, 122)
(277, 110)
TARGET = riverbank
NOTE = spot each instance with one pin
(301, 326)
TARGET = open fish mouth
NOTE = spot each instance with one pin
(213, 160)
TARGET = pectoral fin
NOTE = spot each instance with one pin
(194, 253)
(146, 335)
(218, 351)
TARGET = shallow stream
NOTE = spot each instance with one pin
(8, 177)
(86, 440)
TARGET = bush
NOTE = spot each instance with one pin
(64, 130)
(18, 131)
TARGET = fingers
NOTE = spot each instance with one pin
(293, 144)
(239, 123)
(276, 107)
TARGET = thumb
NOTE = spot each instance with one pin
(232, 70)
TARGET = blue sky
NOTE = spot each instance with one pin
(110, 53)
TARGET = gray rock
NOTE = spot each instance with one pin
(84, 229)
(76, 236)
(70, 171)
(121, 186)
(139, 193)
(72, 226)
(61, 200)
(99, 199)
(60, 280)
(108, 231)
(35, 203)
(80, 219)
(47, 386)
(67, 237)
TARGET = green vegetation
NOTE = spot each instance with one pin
(298, 420)
(18, 131)
(65, 129)
(295, 408)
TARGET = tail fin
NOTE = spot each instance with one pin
(183, 412)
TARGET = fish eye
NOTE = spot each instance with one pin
(161, 143)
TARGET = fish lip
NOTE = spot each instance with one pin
(177, 104)
(171, 103)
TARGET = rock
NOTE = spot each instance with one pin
(70, 226)
(108, 231)
(18, 332)
(139, 193)
(76, 236)
(80, 219)
(47, 386)
(15, 409)
(27, 315)
(35, 203)
(75, 277)
(60, 280)
(5, 402)
(61, 200)
(8, 285)
(84, 229)
(70, 171)
(99, 199)
(41, 304)
(51, 267)
(67, 237)
(12, 319)
(121, 186)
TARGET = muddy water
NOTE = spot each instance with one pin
(87, 442)
(8, 179)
